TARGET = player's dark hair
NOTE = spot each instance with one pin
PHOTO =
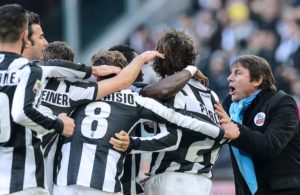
(129, 54)
(258, 67)
(126, 50)
(33, 18)
(58, 50)
(179, 52)
(13, 22)
(113, 58)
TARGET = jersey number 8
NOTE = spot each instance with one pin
(94, 125)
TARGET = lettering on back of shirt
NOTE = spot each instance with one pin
(8, 78)
(54, 98)
(124, 98)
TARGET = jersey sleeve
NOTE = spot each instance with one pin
(81, 91)
(167, 139)
(24, 110)
(153, 110)
(61, 68)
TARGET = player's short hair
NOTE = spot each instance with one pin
(258, 67)
(129, 54)
(113, 58)
(179, 52)
(33, 18)
(13, 22)
(58, 50)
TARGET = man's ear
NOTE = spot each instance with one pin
(24, 37)
(258, 83)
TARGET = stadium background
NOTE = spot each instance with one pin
(221, 30)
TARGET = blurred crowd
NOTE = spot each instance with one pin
(225, 29)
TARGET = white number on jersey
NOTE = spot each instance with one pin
(191, 154)
(96, 112)
(4, 118)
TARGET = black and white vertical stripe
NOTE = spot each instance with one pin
(21, 159)
(195, 152)
(88, 159)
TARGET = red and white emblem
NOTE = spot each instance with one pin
(259, 119)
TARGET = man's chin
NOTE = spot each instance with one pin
(234, 98)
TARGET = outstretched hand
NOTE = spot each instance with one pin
(150, 55)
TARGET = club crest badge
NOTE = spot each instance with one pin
(259, 119)
(37, 87)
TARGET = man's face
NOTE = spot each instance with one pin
(36, 44)
(239, 83)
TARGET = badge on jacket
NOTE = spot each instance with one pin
(259, 119)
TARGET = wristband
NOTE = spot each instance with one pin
(191, 69)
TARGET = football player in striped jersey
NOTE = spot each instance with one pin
(21, 160)
(88, 163)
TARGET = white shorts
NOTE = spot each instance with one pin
(79, 190)
(174, 183)
(31, 191)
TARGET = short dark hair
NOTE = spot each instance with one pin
(12, 23)
(126, 50)
(179, 52)
(33, 18)
(258, 67)
(58, 50)
(129, 54)
(113, 58)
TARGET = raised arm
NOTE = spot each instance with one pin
(62, 68)
(127, 76)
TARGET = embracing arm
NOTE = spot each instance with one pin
(168, 87)
(167, 139)
(24, 111)
(62, 68)
(155, 111)
(127, 76)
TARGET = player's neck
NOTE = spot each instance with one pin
(11, 47)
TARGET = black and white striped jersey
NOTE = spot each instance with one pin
(30, 87)
(88, 159)
(185, 151)
(63, 96)
(21, 160)
(134, 164)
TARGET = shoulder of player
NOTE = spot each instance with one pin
(197, 84)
